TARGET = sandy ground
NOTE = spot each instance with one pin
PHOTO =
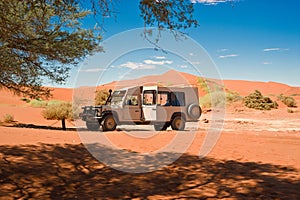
(256, 157)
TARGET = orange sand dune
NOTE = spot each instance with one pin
(243, 87)
(8, 98)
(169, 78)
(64, 94)
(246, 87)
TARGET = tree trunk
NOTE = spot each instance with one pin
(63, 124)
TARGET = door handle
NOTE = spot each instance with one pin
(153, 108)
(136, 111)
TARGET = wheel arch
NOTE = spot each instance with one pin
(110, 112)
(178, 114)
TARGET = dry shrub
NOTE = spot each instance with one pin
(59, 111)
(8, 118)
(288, 101)
(101, 97)
(257, 101)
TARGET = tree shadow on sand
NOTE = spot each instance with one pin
(49, 171)
(34, 126)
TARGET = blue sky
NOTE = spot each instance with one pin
(247, 40)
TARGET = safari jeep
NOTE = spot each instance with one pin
(160, 106)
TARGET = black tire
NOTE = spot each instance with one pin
(178, 123)
(194, 111)
(93, 126)
(161, 127)
(109, 123)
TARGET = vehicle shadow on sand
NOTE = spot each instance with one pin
(69, 171)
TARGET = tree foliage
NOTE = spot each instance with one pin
(42, 39)
(163, 14)
(169, 14)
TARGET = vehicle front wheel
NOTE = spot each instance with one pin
(178, 123)
(109, 123)
(93, 126)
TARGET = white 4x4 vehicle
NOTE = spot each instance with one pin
(160, 106)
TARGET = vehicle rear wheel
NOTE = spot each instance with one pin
(93, 126)
(109, 123)
(178, 123)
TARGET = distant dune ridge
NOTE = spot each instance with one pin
(169, 78)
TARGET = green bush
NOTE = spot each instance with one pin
(205, 101)
(37, 103)
(54, 102)
(203, 84)
(257, 101)
(213, 99)
(288, 101)
(233, 97)
(8, 118)
(218, 99)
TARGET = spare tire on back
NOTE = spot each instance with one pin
(194, 111)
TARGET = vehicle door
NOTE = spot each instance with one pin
(149, 102)
(132, 111)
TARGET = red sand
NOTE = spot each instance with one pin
(256, 157)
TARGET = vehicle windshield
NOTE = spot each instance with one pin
(117, 97)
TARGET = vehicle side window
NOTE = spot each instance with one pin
(177, 99)
(149, 97)
(163, 98)
(117, 97)
(131, 100)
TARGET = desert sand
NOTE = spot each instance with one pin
(256, 157)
